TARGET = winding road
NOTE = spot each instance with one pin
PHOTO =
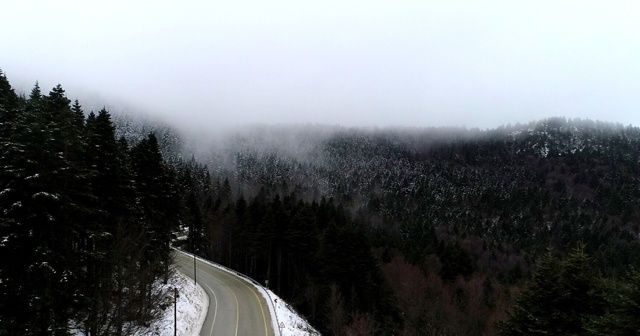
(236, 308)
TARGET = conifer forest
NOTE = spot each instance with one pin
(526, 229)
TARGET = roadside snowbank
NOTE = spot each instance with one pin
(192, 306)
(289, 322)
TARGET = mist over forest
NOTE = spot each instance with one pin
(389, 167)
(365, 231)
(457, 220)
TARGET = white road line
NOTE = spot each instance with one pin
(264, 319)
(237, 309)
(215, 312)
(215, 298)
(236, 298)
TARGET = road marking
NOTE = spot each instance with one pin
(243, 282)
(215, 298)
(215, 312)
(237, 309)
(264, 318)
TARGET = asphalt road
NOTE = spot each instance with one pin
(235, 306)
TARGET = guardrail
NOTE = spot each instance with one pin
(245, 277)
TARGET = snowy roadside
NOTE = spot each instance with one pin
(192, 306)
(289, 322)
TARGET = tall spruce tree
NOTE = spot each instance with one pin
(9, 106)
(10, 287)
(43, 204)
(112, 204)
(622, 308)
(562, 297)
(156, 192)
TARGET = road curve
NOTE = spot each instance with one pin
(236, 308)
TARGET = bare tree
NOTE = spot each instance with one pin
(335, 313)
(362, 325)
(126, 300)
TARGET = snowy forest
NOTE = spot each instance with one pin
(86, 223)
(521, 230)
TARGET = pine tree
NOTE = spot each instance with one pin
(44, 206)
(78, 115)
(112, 204)
(156, 190)
(11, 287)
(9, 107)
(622, 308)
(86, 220)
(195, 223)
(562, 296)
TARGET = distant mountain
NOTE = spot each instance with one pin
(551, 182)
(477, 205)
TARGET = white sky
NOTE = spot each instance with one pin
(353, 63)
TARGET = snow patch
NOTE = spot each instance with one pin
(192, 305)
(45, 194)
(288, 320)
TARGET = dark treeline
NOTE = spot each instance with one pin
(313, 254)
(85, 219)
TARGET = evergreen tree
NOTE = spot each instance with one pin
(156, 193)
(78, 115)
(9, 107)
(10, 241)
(562, 297)
(113, 206)
(622, 308)
(87, 227)
(195, 223)
(43, 206)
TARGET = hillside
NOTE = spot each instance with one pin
(547, 183)
(457, 209)
(365, 231)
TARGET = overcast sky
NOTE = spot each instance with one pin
(353, 63)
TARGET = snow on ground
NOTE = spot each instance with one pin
(289, 322)
(192, 306)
